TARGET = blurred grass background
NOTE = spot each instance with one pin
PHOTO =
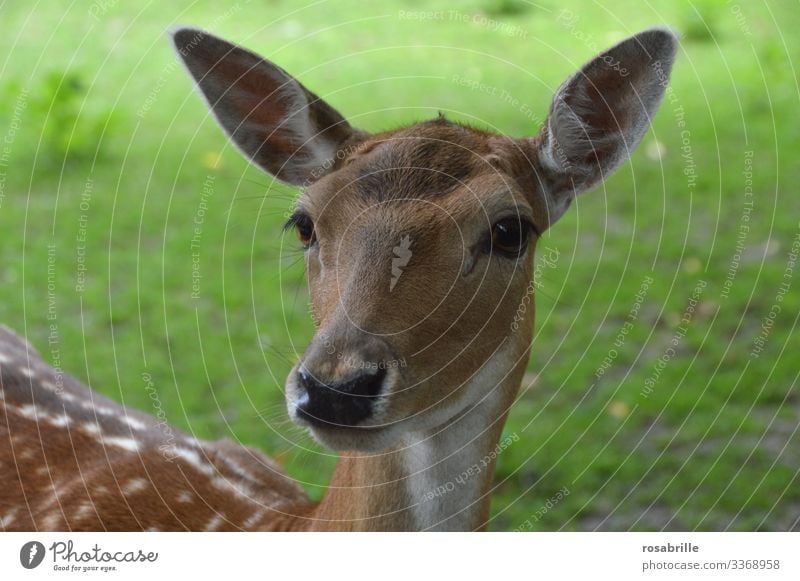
(108, 161)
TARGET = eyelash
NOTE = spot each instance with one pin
(300, 221)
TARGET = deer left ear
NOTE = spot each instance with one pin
(599, 115)
(277, 123)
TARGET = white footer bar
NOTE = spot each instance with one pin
(388, 556)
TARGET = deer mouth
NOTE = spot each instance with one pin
(357, 439)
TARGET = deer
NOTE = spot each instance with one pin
(419, 244)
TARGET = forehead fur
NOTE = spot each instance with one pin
(429, 159)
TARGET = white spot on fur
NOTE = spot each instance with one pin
(235, 485)
(51, 521)
(134, 423)
(8, 518)
(244, 471)
(91, 428)
(125, 443)
(253, 519)
(98, 410)
(184, 497)
(214, 523)
(61, 421)
(84, 510)
(238, 469)
(135, 485)
(27, 372)
(29, 411)
(193, 459)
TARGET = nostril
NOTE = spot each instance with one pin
(343, 403)
(366, 384)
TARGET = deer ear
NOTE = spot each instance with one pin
(277, 123)
(599, 115)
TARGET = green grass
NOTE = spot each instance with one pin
(714, 446)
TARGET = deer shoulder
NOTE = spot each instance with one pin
(76, 460)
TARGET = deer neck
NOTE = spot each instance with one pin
(437, 479)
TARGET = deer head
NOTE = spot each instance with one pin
(419, 242)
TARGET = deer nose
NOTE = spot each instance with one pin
(342, 403)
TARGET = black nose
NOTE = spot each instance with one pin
(344, 403)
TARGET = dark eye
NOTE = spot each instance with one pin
(304, 226)
(305, 231)
(510, 236)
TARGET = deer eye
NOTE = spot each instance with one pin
(510, 236)
(304, 227)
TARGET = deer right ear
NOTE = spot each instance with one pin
(600, 114)
(278, 124)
